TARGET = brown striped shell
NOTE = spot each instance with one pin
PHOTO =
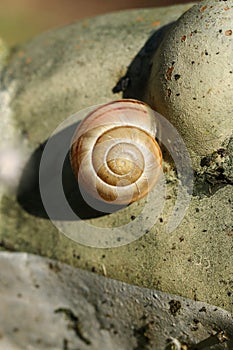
(114, 154)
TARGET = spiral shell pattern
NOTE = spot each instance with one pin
(114, 154)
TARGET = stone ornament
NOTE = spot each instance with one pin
(191, 79)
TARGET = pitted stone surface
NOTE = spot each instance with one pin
(61, 72)
(48, 305)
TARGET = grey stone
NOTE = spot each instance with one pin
(54, 76)
(191, 78)
(48, 305)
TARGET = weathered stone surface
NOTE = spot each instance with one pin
(48, 305)
(59, 73)
(191, 81)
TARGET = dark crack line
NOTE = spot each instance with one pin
(75, 324)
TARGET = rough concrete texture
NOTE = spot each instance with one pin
(191, 81)
(57, 74)
(48, 305)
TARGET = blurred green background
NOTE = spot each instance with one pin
(22, 19)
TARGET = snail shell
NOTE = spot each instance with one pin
(114, 154)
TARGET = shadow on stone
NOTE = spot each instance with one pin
(53, 172)
(29, 195)
(133, 83)
(214, 174)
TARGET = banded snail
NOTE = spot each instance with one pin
(114, 154)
